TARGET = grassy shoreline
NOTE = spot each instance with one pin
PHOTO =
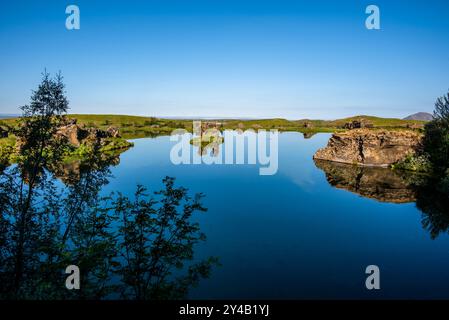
(134, 127)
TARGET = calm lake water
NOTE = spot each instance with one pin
(293, 235)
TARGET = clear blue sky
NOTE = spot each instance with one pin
(229, 58)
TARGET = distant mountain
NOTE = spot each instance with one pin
(425, 116)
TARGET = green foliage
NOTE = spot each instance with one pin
(441, 112)
(134, 248)
(416, 163)
(436, 141)
(157, 237)
(7, 146)
(150, 122)
(83, 150)
(112, 144)
(45, 227)
(39, 123)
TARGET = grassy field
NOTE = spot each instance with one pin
(132, 127)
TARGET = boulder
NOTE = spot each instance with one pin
(357, 124)
(113, 132)
(73, 133)
(308, 124)
(370, 147)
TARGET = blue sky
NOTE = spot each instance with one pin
(226, 58)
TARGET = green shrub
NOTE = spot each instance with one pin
(416, 163)
(436, 139)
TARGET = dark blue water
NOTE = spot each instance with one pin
(292, 235)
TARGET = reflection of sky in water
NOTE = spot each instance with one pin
(292, 235)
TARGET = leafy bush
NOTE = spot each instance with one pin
(115, 144)
(436, 140)
(6, 151)
(416, 163)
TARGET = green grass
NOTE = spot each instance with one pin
(319, 125)
(416, 163)
(133, 127)
(377, 121)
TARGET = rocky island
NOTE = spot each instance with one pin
(368, 147)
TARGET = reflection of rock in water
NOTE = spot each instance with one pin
(70, 172)
(377, 183)
(431, 194)
(308, 135)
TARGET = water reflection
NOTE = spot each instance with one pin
(370, 182)
(308, 135)
(392, 186)
(130, 248)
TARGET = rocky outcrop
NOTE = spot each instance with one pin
(357, 124)
(370, 147)
(78, 134)
(381, 184)
(307, 124)
(73, 132)
(113, 132)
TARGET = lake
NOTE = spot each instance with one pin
(307, 232)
